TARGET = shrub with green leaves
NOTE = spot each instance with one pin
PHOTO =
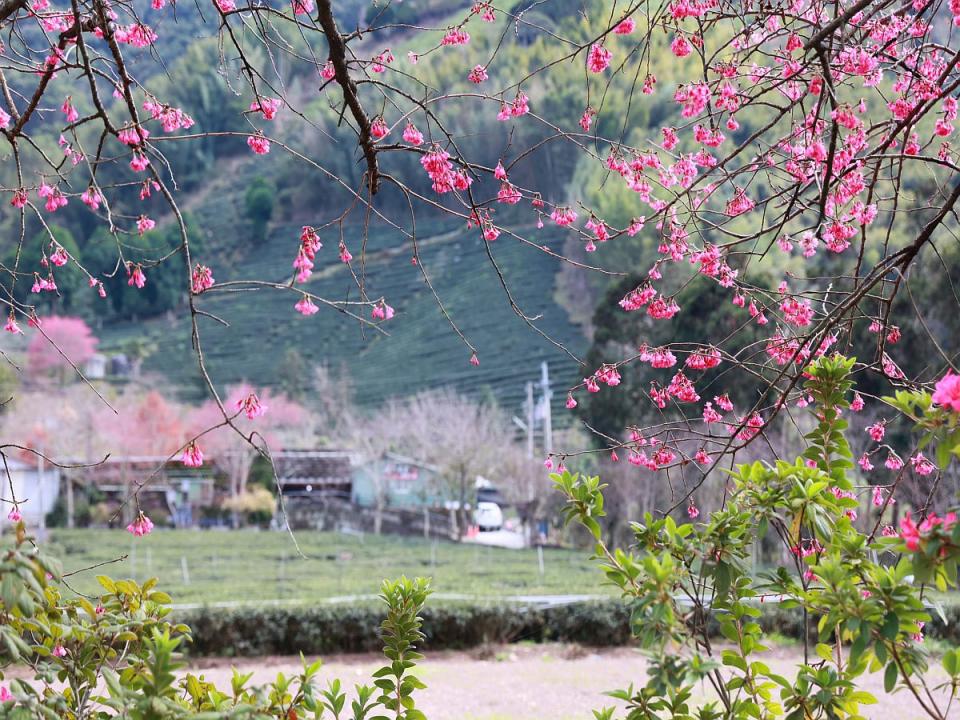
(120, 656)
(861, 594)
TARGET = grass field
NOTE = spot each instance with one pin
(258, 567)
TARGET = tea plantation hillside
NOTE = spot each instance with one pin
(422, 350)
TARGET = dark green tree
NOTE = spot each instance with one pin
(71, 283)
(259, 202)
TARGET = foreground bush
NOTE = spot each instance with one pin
(859, 593)
(120, 656)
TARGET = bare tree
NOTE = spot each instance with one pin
(461, 438)
(372, 437)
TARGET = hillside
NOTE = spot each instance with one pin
(214, 176)
(421, 352)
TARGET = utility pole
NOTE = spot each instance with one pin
(547, 418)
(528, 425)
(531, 419)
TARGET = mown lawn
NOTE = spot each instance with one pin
(248, 566)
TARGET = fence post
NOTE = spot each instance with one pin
(540, 559)
(133, 560)
(184, 570)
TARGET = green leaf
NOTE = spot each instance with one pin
(951, 662)
(891, 626)
(890, 677)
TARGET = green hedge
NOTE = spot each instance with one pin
(337, 628)
(329, 629)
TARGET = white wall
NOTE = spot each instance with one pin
(27, 486)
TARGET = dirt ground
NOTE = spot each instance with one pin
(529, 682)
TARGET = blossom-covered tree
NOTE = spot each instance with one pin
(60, 345)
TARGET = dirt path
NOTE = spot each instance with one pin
(529, 682)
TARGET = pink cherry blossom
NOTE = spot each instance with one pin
(135, 276)
(145, 224)
(878, 496)
(921, 465)
(305, 306)
(378, 129)
(946, 394)
(141, 526)
(201, 279)
(11, 325)
(251, 406)
(412, 135)
(382, 311)
(680, 46)
(598, 58)
(267, 107)
(456, 36)
(192, 456)
(259, 144)
(893, 461)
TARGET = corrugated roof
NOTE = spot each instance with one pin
(314, 467)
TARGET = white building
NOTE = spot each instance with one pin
(36, 490)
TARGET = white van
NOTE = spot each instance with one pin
(488, 516)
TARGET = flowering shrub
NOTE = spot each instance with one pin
(861, 592)
(118, 656)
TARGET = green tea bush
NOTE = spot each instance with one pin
(352, 629)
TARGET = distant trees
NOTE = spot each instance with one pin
(372, 437)
(461, 438)
(163, 289)
(292, 374)
(70, 291)
(143, 424)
